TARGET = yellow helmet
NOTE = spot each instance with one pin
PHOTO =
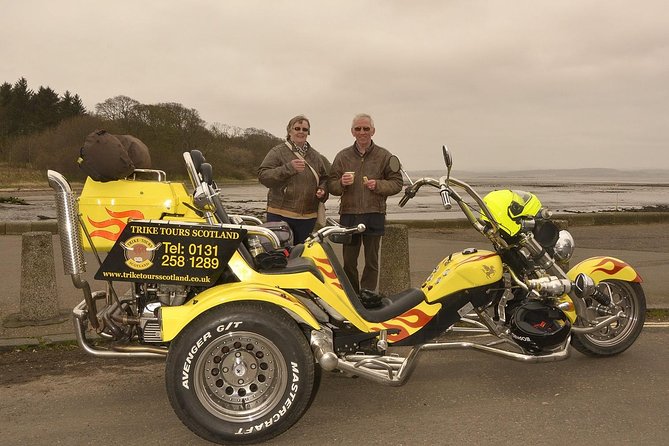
(509, 207)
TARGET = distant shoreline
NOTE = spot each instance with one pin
(477, 182)
(651, 208)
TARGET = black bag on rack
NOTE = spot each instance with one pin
(107, 157)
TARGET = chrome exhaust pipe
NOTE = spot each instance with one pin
(72, 250)
(79, 317)
(68, 224)
(395, 371)
(602, 324)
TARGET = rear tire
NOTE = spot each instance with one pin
(240, 373)
(619, 336)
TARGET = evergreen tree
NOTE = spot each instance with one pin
(5, 96)
(5, 93)
(45, 107)
(71, 106)
(18, 108)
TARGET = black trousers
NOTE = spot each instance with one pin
(370, 272)
(301, 227)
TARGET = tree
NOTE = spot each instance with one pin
(5, 93)
(45, 106)
(168, 129)
(18, 108)
(118, 108)
(71, 106)
(24, 112)
(181, 125)
(226, 130)
(58, 147)
(5, 96)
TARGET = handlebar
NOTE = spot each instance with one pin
(410, 191)
(442, 184)
(335, 229)
(446, 185)
(445, 198)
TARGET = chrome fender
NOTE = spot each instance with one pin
(175, 319)
(602, 268)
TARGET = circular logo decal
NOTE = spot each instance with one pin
(139, 252)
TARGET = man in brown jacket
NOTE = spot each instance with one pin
(362, 176)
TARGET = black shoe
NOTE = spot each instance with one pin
(370, 299)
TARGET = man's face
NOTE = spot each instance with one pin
(362, 131)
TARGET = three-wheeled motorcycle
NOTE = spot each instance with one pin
(247, 322)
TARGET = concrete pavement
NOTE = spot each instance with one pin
(644, 245)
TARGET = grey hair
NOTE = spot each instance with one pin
(293, 121)
(363, 116)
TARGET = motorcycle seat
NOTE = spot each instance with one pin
(391, 307)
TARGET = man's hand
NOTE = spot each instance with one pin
(347, 178)
(298, 164)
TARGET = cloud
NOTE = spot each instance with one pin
(523, 84)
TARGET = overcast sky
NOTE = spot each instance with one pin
(504, 84)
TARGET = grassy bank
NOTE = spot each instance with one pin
(17, 178)
(21, 178)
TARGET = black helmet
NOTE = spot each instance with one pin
(538, 327)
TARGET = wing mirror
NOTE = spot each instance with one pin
(396, 166)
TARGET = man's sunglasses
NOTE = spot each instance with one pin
(357, 129)
(303, 129)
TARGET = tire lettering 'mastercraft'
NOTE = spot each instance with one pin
(276, 416)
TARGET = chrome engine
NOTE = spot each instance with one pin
(149, 298)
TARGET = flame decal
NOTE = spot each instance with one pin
(330, 273)
(420, 318)
(115, 221)
(476, 258)
(404, 333)
(411, 319)
(131, 213)
(617, 266)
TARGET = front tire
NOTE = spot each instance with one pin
(619, 336)
(240, 373)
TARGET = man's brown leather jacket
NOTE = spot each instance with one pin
(356, 198)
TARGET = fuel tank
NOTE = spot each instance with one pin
(460, 271)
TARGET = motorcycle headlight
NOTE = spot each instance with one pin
(564, 247)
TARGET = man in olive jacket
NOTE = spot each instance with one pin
(362, 176)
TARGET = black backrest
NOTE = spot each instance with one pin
(341, 275)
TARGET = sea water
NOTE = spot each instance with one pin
(582, 190)
(594, 190)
